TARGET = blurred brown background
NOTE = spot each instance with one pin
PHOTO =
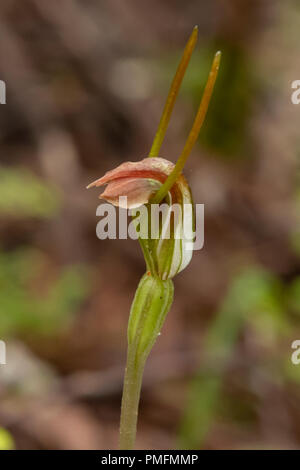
(86, 83)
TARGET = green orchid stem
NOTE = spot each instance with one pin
(130, 399)
(174, 89)
(193, 135)
(152, 301)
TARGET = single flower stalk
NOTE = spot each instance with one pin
(166, 241)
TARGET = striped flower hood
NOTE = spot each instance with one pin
(168, 246)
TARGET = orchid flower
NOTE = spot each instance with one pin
(156, 181)
(136, 183)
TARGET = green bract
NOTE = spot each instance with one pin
(152, 301)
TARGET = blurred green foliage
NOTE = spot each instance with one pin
(293, 296)
(6, 440)
(23, 307)
(255, 299)
(24, 194)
